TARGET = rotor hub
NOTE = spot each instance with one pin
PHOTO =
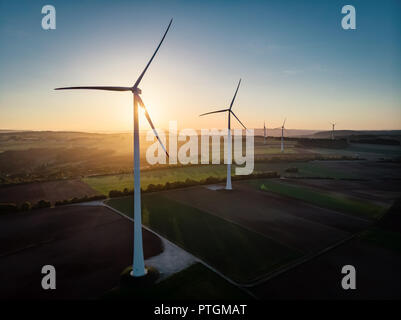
(136, 90)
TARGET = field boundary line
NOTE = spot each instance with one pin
(303, 260)
(350, 216)
(263, 278)
(297, 249)
(240, 225)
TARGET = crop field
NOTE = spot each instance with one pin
(273, 146)
(296, 224)
(245, 233)
(273, 150)
(103, 184)
(335, 169)
(375, 249)
(237, 252)
(49, 190)
(383, 193)
(89, 246)
(366, 151)
(336, 202)
(309, 169)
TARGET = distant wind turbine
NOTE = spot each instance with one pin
(332, 131)
(138, 268)
(264, 132)
(228, 183)
(282, 135)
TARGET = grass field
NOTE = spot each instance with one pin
(322, 199)
(375, 148)
(273, 150)
(194, 283)
(309, 169)
(367, 151)
(104, 184)
(240, 254)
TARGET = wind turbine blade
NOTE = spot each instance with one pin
(232, 102)
(97, 88)
(224, 110)
(151, 123)
(284, 122)
(150, 61)
(238, 120)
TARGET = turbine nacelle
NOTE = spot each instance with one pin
(228, 110)
(136, 90)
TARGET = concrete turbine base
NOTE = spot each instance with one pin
(150, 277)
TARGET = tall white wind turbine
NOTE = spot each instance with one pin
(282, 135)
(230, 112)
(138, 268)
(333, 124)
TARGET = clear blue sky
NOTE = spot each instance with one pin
(293, 56)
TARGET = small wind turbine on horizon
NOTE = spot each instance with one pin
(230, 112)
(282, 135)
(138, 268)
(332, 130)
(264, 132)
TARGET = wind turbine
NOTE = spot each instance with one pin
(332, 131)
(264, 132)
(230, 112)
(138, 268)
(282, 135)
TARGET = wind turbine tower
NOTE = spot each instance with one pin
(230, 112)
(333, 124)
(282, 135)
(264, 132)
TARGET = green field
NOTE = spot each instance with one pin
(366, 151)
(308, 169)
(383, 150)
(322, 199)
(194, 283)
(273, 150)
(240, 254)
(105, 183)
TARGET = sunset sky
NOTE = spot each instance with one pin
(294, 59)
